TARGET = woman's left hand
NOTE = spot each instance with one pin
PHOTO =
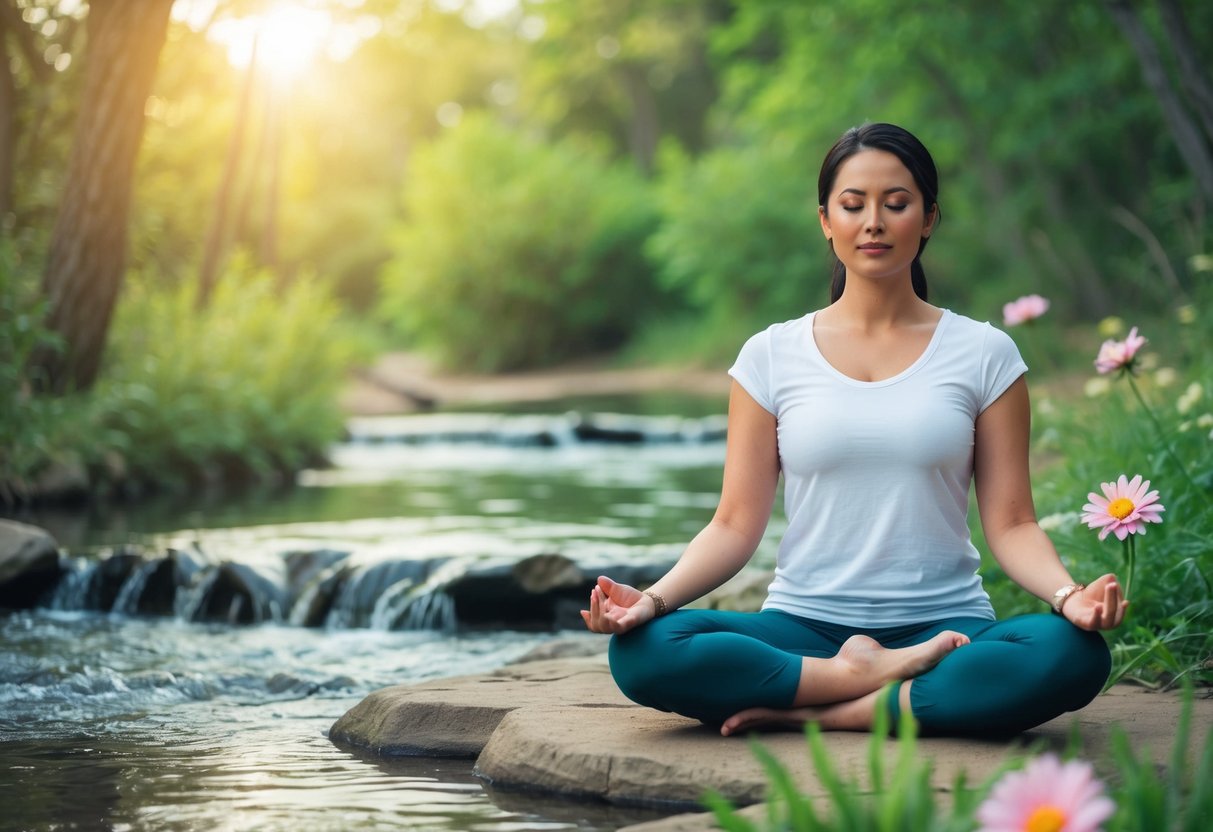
(1101, 606)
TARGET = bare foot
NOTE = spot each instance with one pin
(855, 715)
(866, 657)
(862, 665)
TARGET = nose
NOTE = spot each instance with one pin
(873, 223)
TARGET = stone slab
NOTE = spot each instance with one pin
(561, 726)
(455, 717)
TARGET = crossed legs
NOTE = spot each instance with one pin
(743, 671)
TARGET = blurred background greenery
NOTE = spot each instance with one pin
(509, 184)
(211, 210)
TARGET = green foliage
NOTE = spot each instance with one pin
(247, 385)
(891, 801)
(1179, 798)
(517, 254)
(1030, 111)
(24, 443)
(740, 235)
(1082, 440)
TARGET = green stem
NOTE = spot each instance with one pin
(1130, 562)
(1162, 436)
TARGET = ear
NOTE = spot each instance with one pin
(928, 224)
(825, 223)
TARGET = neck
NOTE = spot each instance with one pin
(880, 303)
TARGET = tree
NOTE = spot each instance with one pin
(87, 255)
(1183, 122)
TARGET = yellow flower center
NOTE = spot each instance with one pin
(1120, 508)
(1046, 819)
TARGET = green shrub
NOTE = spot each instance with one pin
(740, 235)
(27, 423)
(247, 385)
(515, 254)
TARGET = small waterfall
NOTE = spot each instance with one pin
(429, 610)
(127, 602)
(407, 606)
(72, 590)
(359, 594)
(323, 588)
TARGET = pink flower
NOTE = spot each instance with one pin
(1046, 796)
(1027, 308)
(1125, 508)
(1115, 355)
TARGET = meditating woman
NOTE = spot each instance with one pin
(878, 411)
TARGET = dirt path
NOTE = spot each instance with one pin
(407, 383)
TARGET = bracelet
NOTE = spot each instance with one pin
(658, 602)
(1060, 596)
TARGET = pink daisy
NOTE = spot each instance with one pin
(1115, 355)
(1027, 308)
(1124, 509)
(1046, 796)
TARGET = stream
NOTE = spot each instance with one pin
(205, 703)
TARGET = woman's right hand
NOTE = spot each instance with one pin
(617, 608)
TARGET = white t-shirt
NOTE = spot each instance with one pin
(876, 474)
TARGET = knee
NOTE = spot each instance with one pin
(639, 665)
(1078, 661)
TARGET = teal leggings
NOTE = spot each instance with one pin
(1015, 675)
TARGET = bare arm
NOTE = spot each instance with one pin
(726, 544)
(1008, 516)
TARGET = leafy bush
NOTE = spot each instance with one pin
(25, 442)
(514, 254)
(247, 385)
(740, 235)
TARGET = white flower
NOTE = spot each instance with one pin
(1194, 393)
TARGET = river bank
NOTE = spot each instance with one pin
(401, 382)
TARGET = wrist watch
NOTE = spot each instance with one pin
(1060, 596)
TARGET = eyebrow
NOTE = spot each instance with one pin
(887, 191)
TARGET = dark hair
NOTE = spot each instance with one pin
(917, 159)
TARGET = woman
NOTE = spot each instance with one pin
(878, 411)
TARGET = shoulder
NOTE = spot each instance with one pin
(981, 335)
(783, 332)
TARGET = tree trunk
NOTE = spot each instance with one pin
(1193, 76)
(1187, 136)
(7, 127)
(219, 235)
(644, 129)
(87, 256)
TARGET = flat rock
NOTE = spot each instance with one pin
(561, 726)
(456, 717)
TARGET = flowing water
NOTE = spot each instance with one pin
(112, 718)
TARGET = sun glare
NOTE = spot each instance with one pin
(287, 39)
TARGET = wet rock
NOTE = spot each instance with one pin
(544, 573)
(542, 592)
(235, 593)
(152, 588)
(312, 606)
(303, 568)
(29, 564)
(107, 580)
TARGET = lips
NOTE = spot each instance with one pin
(874, 247)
